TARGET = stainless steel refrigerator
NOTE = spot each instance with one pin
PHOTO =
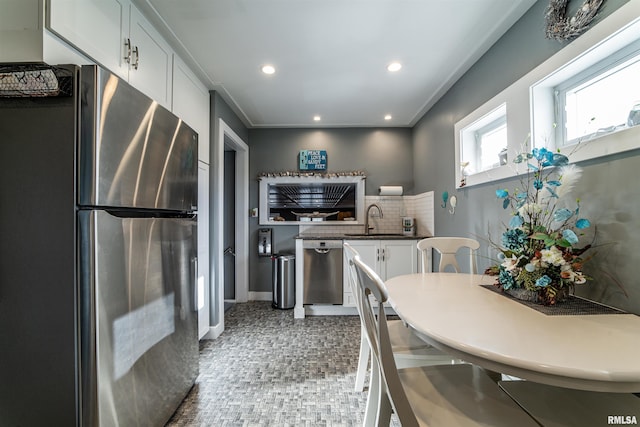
(98, 321)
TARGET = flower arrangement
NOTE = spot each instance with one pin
(538, 248)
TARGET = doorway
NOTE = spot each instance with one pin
(226, 140)
(229, 225)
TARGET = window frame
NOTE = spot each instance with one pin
(468, 138)
(627, 56)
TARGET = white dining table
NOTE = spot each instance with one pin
(453, 313)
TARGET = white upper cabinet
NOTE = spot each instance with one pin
(116, 35)
(94, 27)
(151, 61)
(191, 103)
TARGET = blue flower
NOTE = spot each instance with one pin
(544, 156)
(539, 153)
(570, 236)
(514, 240)
(562, 215)
(583, 223)
(506, 279)
(558, 159)
(538, 184)
(502, 194)
(543, 281)
(516, 221)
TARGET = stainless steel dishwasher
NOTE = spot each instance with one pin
(322, 272)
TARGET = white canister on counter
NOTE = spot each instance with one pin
(408, 226)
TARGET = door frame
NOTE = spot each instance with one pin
(242, 223)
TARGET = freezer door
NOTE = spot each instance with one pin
(139, 342)
(133, 152)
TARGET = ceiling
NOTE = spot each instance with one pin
(331, 56)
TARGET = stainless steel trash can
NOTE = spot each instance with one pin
(283, 280)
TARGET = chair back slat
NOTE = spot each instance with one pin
(448, 247)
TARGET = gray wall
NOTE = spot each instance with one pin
(383, 154)
(221, 110)
(610, 197)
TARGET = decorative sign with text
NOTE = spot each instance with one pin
(313, 160)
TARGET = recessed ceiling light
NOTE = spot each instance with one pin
(394, 66)
(387, 117)
(316, 118)
(268, 69)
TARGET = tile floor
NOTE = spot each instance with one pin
(269, 369)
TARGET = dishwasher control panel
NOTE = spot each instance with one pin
(322, 244)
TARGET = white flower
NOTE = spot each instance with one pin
(529, 209)
(538, 264)
(552, 256)
(578, 278)
(510, 264)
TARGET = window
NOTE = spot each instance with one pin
(600, 100)
(484, 142)
(491, 143)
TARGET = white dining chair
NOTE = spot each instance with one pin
(448, 247)
(438, 395)
(558, 406)
(409, 350)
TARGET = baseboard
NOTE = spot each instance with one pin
(260, 296)
(214, 332)
(329, 310)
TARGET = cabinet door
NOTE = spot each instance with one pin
(369, 251)
(98, 28)
(399, 257)
(190, 102)
(151, 62)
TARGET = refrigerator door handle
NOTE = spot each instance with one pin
(196, 287)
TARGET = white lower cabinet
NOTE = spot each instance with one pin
(388, 258)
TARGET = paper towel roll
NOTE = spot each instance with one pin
(390, 190)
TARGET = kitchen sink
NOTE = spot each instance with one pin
(374, 235)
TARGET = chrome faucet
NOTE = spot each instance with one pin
(366, 217)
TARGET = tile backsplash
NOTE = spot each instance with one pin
(393, 208)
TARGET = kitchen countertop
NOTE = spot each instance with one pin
(372, 236)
